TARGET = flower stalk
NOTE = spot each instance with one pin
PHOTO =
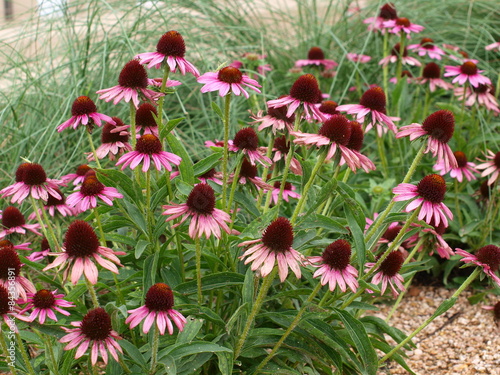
(225, 156)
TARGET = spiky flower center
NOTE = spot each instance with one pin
(4, 301)
(9, 263)
(315, 53)
(6, 243)
(96, 325)
(357, 136)
(230, 74)
(496, 311)
(439, 229)
(481, 89)
(44, 299)
(431, 71)
(108, 136)
(427, 43)
(83, 105)
(20, 171)
(485, 189)
(406, 73)
(489, 255)
(396, 50)
(432, 188)
(496, 159)
(148, 144)
(53, 201)
(337, 128)
(277, 185)
(246, 139)
(202, 199)
(171, 44)
(392, 264)
(306, 89)
(247, 169)
(468, 68)
(44, 245)
(80, 240)
(391, 232)
(337, 255)
(388, 12)
(374, 99)
(82, 170)
(281, 145)
(32, 174)
(280, 114)
(440, 125)
(133, 75)
(329, 107)
(145, 115)
(159, 298)
(91, 186)
(209, 174)
(12, 217)
(405, 22)
(278, 236)
(461, 159)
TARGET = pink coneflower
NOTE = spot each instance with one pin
(275, 118)
(211, 175)
(427, 47)
(487, 257)
(396, 55)
(288, 192)
(10, 278)
(86, 197)
(464, 168)
(387, 12)
(228, 79)
(53, 206)
(13, 221)
(132, 82)
(439, 128)
(493, 46)
(39, 255)
(149, 148)
(158, 306)
(81, 247)
(94, 330)
(247, 141)
(355, 144)
(114, 140)
(328, 108)
(334, 268)
(372, 103)
(22, 246)
(43, 303)
(145, 119)
(248, 173)
(253, 61)
(84, 112)
(491, 166)
(170, 50)
(433, 240)
(275, 245)
(389, 234)
(78, 176)
(404, 73)
(200, 208)
(496, 311)
(388, 273)
(31, 180)
(402, 25)
(214, 143)
(354, 57)
(430, 193)
(432, 74)
(316, 56)
(8, 312)
(157, 82)
(305, 91)
(468, 71)
(484, 95)
(281, 149)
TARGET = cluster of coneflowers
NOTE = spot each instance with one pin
(262, 160)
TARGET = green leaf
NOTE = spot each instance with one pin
(247, 203)
(186, 166)
(386, 348)
(210, 282)
(444, 306)
(326, 191)
(169, 126)
(134, 353)
(225, 362)
(149, 272)
(204, 165)
(140, 247)
(357, 235)
(217, 110)
(119, 180)
(321, 221)
(137, 217)
(179, 351)
(190, 331)
(168, 364)
(115, 237)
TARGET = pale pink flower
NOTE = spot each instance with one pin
(35, 256)
(491, 166)
(248, 173)
(387, 12)
(8, 312)
(211, 175)
(281, 149)
(145, 120)
(468, 71)
(484, 95)
(228, 80)
(464, 168)
(402, 25)
(275, 118)
(156, 82)
(78, 176)
(316, 56)
(88, 192)
(493, 46)
(84, 112)
(388, 273)
(433, 240)
(288, 192)
(43, 303)
(354, 57)
(395, 56)
(114, 141)
(13, 221)
(10, 273)
(487, 257)
(53, 206)
(427, 47)
(246, 141)
(405, 73)
(431, 74)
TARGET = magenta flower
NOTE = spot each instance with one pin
(464, 168)
(433, 240)
(432, 74)
(132, 82)
(170, 50)
(354, 57)
(157, 82)
(275, 245)
(487, 257)
(468, 71)
(493, 46)
(211, 175)
(247, 141)
(484, 95)
(402, 25)
(248, 173)
(10, 278)
(94, 331)
(8, 312)
(395, 56)
(91, 189)
(84, 112)
(149, 148)
(355, 144)
(13, 221)
(145, 119)
(157, 306)
(200, 207)
(281, 149)
(275, 118)
(387, 12)
(439, 128)
(39, 255)
(31, 180)
(334, 268)
(491, 166)
(430, 193)
(388, 273)
(114, 141)
(228, 79)
(427, 47)
(316, 56)
(305, 91)
(43, 303)
(288, 192)
(81, 247)
(78, 176)
(53, 206)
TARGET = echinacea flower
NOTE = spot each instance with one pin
(274, 246)
(8, 312)
(13, 221)
(328, 108)
(432, 74)
(402, 26)
(432, 240)
(438, 128)
(84, 112)
(211, 175)
(491, 167)
(248, 173)
(145, 119)
(43, 303)
(386, 12)
(158, 306)
(132, 82)
(149, 148)
(10, 278)
(78, 176)
(388, 273)
(468, 71)
(316, 56)
(305, 91)
(483, 95)
(427, 47)
(355, 144)
(94, 331)
(358, 58)
(493, 46)
(228, 80)
(247, 141)
(430, 193)
(31, 180)
(464, 168)
(88, 192)
(53, 206)
(496, 311)
(275, 118)
(281, 149)
(35, 256)
(372, 103)
(252, 61)
(200, 208)
(487, 257)
(114, 140)
(170, 49)
(80, 249)
(157, 82)
(334, 267)
(396, 55)
(288, 192)
(404, 73)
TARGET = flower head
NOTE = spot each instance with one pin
(427, 47)
(275, 118)
(491, 166)
(158, 306)
(388, 273)
(247, 141)
(43, 303)
(13, 221)
(78, 176)
(316, 56)
(88, 192)
(432, 74)
(358, 58)
(55, 205)
(228, 79)
(39, 255)
(468, 71)
(10, 278)
(396, 54)
(248, 173)
(484, 95)
(288, 192)
(487, 257)
(145, 119)
(114, 140)
(402, 26)
(7, 310)
(275, 245)
(464, 168)
(386, 12)
(84, 112)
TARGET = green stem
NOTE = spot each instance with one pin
(149, 211)
(47, 230)
(99, 226)
(235, 181)
(51, 352)
(154, 349)
(133, 131)
(382, 154)
(399, 67)
(225, 156)
(92, 147)
(426, 102)
(385, 68)
(198, 269)
(266, 168)
(457, 205)
(92, 293)
(26, 359)
(5, 350)
(164, 81)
